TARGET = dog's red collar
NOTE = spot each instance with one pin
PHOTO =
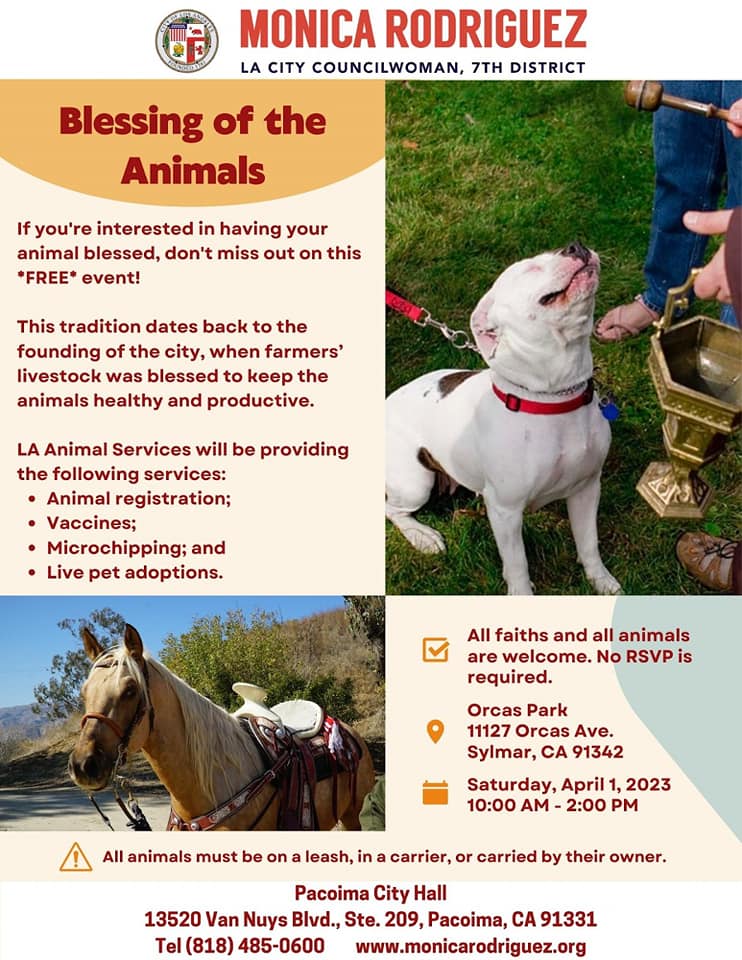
(520, 405)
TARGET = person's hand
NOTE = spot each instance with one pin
(712, 282)
(734, 124)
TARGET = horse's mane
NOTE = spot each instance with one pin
(217, 744)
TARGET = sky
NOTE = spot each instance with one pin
(30, 637)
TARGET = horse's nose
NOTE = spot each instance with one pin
(576, 249)
(85, 770)
(91, 767)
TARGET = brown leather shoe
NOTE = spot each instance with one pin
(709, 559)
(623, 322)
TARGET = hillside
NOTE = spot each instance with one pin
(22, 721)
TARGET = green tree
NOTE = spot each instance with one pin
(218, 651)
(336, 696)
(367, 618)
(60, 695)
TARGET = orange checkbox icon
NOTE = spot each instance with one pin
(435, 649)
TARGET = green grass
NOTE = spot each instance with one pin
(480, 175)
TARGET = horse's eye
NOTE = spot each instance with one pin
(129, 691)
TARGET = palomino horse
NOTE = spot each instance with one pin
(217, 773)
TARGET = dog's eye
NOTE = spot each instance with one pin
(550, 298)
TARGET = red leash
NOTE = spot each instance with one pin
(397, 302)
(419, 315)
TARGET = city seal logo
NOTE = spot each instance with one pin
(187, 41)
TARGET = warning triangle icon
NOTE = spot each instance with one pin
(75, 861)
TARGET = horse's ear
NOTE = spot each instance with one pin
(133, 642)
(92, 647)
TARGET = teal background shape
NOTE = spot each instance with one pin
(694, 710)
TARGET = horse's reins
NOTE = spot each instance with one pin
(136, 819)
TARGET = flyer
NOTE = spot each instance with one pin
(241, 713)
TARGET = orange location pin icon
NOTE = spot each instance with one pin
(435, 730)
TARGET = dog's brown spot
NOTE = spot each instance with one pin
(443, 482)
(449, 383)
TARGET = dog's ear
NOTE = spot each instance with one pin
(485, 333)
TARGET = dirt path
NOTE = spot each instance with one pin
(68, 808)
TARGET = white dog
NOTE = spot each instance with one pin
(523, 433)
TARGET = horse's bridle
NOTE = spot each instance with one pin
(135, 817)
(125, 735)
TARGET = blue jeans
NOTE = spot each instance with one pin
(695, 158)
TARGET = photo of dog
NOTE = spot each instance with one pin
(517, 434)
(521, 434)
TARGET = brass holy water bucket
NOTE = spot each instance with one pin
(696, 367)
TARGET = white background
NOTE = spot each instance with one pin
(632, 38)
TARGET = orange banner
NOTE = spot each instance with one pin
(177, 143)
